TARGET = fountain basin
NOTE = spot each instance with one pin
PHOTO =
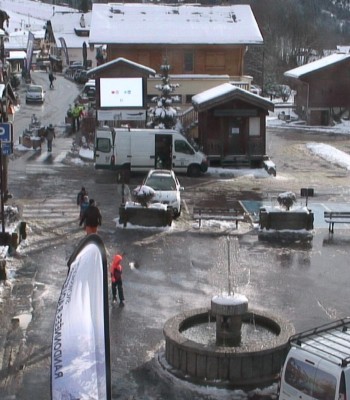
(236, 367)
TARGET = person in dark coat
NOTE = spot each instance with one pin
(116, 270)
(51, 79)
(91, 218)
(50, 135)
(84, 205)
(81, 195)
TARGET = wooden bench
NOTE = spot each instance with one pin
(221, 214)
(336, 217)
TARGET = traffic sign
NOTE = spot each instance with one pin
(6, 138)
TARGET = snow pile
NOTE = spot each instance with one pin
(329, 153)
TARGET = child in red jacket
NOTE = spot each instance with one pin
(116, 270)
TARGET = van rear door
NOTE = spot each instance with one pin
(308, 377)
(142, 150)
(104, 149)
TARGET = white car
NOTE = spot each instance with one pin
(167, 188)
(35, 94)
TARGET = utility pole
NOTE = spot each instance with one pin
(4, 79)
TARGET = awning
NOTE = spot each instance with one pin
(54, 58)
(10, 93)
(17, 55)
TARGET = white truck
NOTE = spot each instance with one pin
(139, 150)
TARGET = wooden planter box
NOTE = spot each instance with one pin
(286, 220)
(145, 216)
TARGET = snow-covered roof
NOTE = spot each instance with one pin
(64, 25)
(226, 92)
(317, 65)
(17, 40)
(29, 15)
(121, 60)
(173, 24)
(17, 55)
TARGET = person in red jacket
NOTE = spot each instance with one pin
(116, 270)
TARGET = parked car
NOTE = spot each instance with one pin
(278, 91)
(89, 89)
(256, 89)
(35, 94)
(81, 77)
(167, 188)
(76, 65)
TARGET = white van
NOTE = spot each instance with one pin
(317, 364)
(139, 150)
(89, 89)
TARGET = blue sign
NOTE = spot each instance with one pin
(6, 138)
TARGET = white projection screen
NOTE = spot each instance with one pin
(121, 92)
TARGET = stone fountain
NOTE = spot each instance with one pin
(228, 344)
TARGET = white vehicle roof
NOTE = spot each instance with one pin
(330, 341)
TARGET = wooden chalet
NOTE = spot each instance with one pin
(232, 125)
(192, 39)
(322, 88)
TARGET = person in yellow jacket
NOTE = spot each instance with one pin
(76, 114)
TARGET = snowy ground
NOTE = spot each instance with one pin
(325, 151)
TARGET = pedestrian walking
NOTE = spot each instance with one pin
(51, 79)
(80, 196)
(84, 205)
(116, 270)
(50, 135)
(91, 218)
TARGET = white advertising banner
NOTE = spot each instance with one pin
(80, 365)
(121, 115)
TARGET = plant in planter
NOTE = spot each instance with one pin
(143, 194)
(140, 211)
(286, 200)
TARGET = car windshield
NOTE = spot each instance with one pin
(35, 89)
(161, 183)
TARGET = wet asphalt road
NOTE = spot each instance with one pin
(166, 271)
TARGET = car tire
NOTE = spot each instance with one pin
(194, 170)
(177, 215)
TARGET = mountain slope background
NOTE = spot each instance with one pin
(295, 32)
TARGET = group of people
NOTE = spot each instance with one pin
(90, 217)
(47, 133)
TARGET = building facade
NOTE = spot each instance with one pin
(322, 88)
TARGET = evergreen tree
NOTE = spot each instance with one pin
(84, 6)
(163, 115)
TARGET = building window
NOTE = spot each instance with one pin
(215, 61)
(254, 126)
(189, 98)
(188, 61)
